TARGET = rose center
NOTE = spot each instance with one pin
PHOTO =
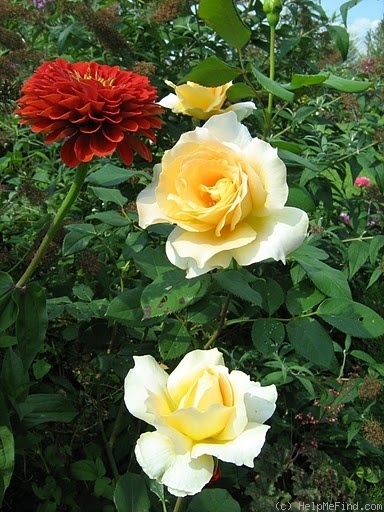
(215, 193)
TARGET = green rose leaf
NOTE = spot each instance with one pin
(358, 253)
(240, 91)
(126, 308)
(109, 195)
(303, 297)
(87, 470)
(175, 340)
(267, 335)
(328, 280)
(8, 307)
(213, 500)
(131, 494)
(78, 238)
(169, 292)
(351, 318)
(224, 18)
(7, 459)
(152, 262)
(344, 85)
(110, 175)
(212, 72)
(345, 8)
(111, 218)
(272, 86)
(46, 407)
(272, 294)
(32, 321)
(237, 282)
(340, 37)
(300, 198)
(14, 377)
(311, 340)
(298, 81)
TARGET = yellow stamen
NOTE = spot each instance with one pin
(88, 76)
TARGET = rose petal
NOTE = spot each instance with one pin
(147, 206)
(199, 425)
(241, 451)
(168, 460)
(200, 252)
(227, 129)
(277, 235)
(260, 401)
(145, 391)
(263, 158)
(240, 384)
(172, 101)
(242, 110)
(189, 368)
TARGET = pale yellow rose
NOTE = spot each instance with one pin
(199, 411)
(203, 102)
(226, 192)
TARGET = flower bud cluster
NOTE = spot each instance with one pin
(370, 388)
(373, 432)
(272, 8)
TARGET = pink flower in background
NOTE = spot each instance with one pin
(345, 218)
(362, 181)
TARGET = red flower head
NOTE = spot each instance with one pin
(97, 108)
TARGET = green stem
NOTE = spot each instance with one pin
(359, 239)
(107, 445)
(223, 315)
(178, 504)
(117, 424)
(74, 191)
(357, 152)
(268, 116)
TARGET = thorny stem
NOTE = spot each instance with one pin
(73, 192)
(223, 315)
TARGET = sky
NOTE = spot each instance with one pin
(362, 17)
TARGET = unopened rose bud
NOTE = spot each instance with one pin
(272, 9)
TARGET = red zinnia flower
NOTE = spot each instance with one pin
(97, 108)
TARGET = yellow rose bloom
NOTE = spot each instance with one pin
(225, 192)
(199, 411)
(203, 102)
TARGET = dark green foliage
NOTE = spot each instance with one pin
(105, 291)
